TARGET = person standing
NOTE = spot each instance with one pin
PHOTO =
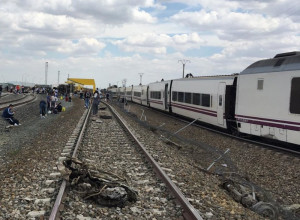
(8, 114)
(87, 96)
(96, 101)
(0, 90)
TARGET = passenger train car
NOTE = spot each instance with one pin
(263, 100)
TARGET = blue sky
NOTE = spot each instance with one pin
(112, 40)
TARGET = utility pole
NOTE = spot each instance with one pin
(58, 77)
(183, 65)
(46, 72)
(141, 75)
(124, 82)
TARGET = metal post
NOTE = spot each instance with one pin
(183, 65)
(46, 72)
(141, 75)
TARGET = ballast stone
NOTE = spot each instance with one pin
(35, 214)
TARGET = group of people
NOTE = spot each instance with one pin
(52, 106)
(94, 98)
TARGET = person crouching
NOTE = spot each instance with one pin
(8, 114)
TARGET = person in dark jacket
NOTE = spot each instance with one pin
(59, 107)
(96, 102)
(43, 108)
(8, 114)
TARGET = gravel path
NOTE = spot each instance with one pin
(28, 154)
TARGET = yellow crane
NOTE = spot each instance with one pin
(82, 82)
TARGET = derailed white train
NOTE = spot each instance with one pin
(263, 100)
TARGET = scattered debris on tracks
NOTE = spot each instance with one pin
(104, 188)
(257, 199)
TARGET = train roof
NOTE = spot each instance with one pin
(281, 62)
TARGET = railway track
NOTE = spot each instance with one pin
(210, 152)
(107, 145)
(17, 102)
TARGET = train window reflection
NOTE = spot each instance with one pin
(137, 94)
(188, 98)
(295, 94)
(196, 98)
(180, 96)
(174, 96)
(155, 95)
(205, 100)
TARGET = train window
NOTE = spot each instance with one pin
(188, 97)
(137, 94)
(295, 94)
(196, 98)
(205, 100)
(220, 100)
(260, 84)
(155, 94)
(174, 96)
(180, 96)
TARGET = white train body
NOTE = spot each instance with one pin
(263, 100)
(137, 94)
(144, 97)
(113, 92)
(201, 98)
(121, 94)
(158, 95)
(128, 93)
(268, 99)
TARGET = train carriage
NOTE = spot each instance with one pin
(113, 92)
(128, 93)
(144, 99)
(201, 98)
(121, 93)
(158, 95)
(263, 100)
(268, 93)
(137, 94)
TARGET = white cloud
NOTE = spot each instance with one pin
(158, 43)
(74, 36)
(84, 47)
(234, 25)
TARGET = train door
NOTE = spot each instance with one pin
(166, 96)
(148, 103)
(220, 103)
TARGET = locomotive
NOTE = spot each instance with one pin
(262, 100)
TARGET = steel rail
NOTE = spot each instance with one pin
(17, 103)
(62, 188)
(15, 100)
(190, 213)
